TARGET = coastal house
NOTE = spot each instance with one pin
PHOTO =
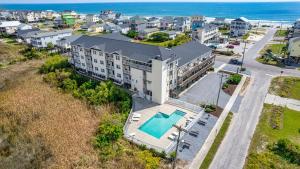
(92, 18)
(172, 34)
(111, 27)
(197, 22)
(138, 23)
(65, 43)
(124, 28)
(92, 27)
(107, 15)
(294, 49)
(24, 26)
(9, 27)
(219, 21)
(296, 29)
(152, 72)
(24, 36)
(153, 22)
(239, 27)
(166, 22)
(207, 34)
(182, 24)
(42, 39)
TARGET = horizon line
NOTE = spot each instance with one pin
(155, 1)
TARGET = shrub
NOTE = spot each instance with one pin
(147, 158)
(109, 131)
(225, 85)
(287, 150)
(31, 53)
(132, 34)
(53, 63)
(234, 79)
(69, 85)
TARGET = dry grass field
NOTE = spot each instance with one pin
(42, 127)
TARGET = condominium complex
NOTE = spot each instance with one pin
(239, 27)
(153, 72)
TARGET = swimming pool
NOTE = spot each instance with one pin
(160, 123)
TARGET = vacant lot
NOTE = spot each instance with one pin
(288, 87)
(43, 127)
(281, 33)
(260, 155)
(10, 52)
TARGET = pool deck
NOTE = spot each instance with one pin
(148, 110)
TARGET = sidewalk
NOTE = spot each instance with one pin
(280, 101)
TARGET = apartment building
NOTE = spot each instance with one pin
(239, 27)
(153, 72)
(42, 39)
(207, 34)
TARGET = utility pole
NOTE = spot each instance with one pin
(221, 82)
(243, 54)
(180, 129)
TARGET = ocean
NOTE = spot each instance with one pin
(279, 11)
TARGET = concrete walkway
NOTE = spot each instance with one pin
(281, 101)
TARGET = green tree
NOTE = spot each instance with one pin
(132, 34)
(159, 37)
(50, 45)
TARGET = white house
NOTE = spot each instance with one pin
(207, 34)
(65, 42)
(42, 39)
(239, 27)
(23, 26)
(92, 18)
(9, 27)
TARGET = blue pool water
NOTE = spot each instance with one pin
(160, 123)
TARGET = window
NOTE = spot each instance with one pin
(95, 60)
(82, 64)
(101, 62)
(119, 75)
(82, 57)
(170, 82)
(117, 57)
(96, 68)
(102, 70)
(118, 66)
(94, 52)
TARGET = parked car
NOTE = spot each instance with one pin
(235, 42)
(230, 46)
(235, 61)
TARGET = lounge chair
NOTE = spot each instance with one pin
(175, 133)
(202, 122)
(194, 133)
(172, 137)
(137, 115)
(135, 118)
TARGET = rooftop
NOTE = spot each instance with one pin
(143, 52)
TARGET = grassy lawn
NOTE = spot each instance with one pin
(260, 156)
(246, 36)
(10, 52)
(269, 62)
(281, 33)
(276, 48)
(180, 39)
(288, 87)
(213, 149)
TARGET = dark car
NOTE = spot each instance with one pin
(235, 61)
(235, 42)
(230, 46)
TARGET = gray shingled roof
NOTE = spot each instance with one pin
(116, 36)
(143, 52)
(189, 51)
(136, 51)
(51, 33)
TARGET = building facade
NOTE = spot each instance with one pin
(294, 49)
(42, 39)
(207, 34)
(239, 27)
(153, 72)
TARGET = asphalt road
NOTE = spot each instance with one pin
(233, 150)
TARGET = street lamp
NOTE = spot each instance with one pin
(221, 81)
(243, 54)
(180, 129)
